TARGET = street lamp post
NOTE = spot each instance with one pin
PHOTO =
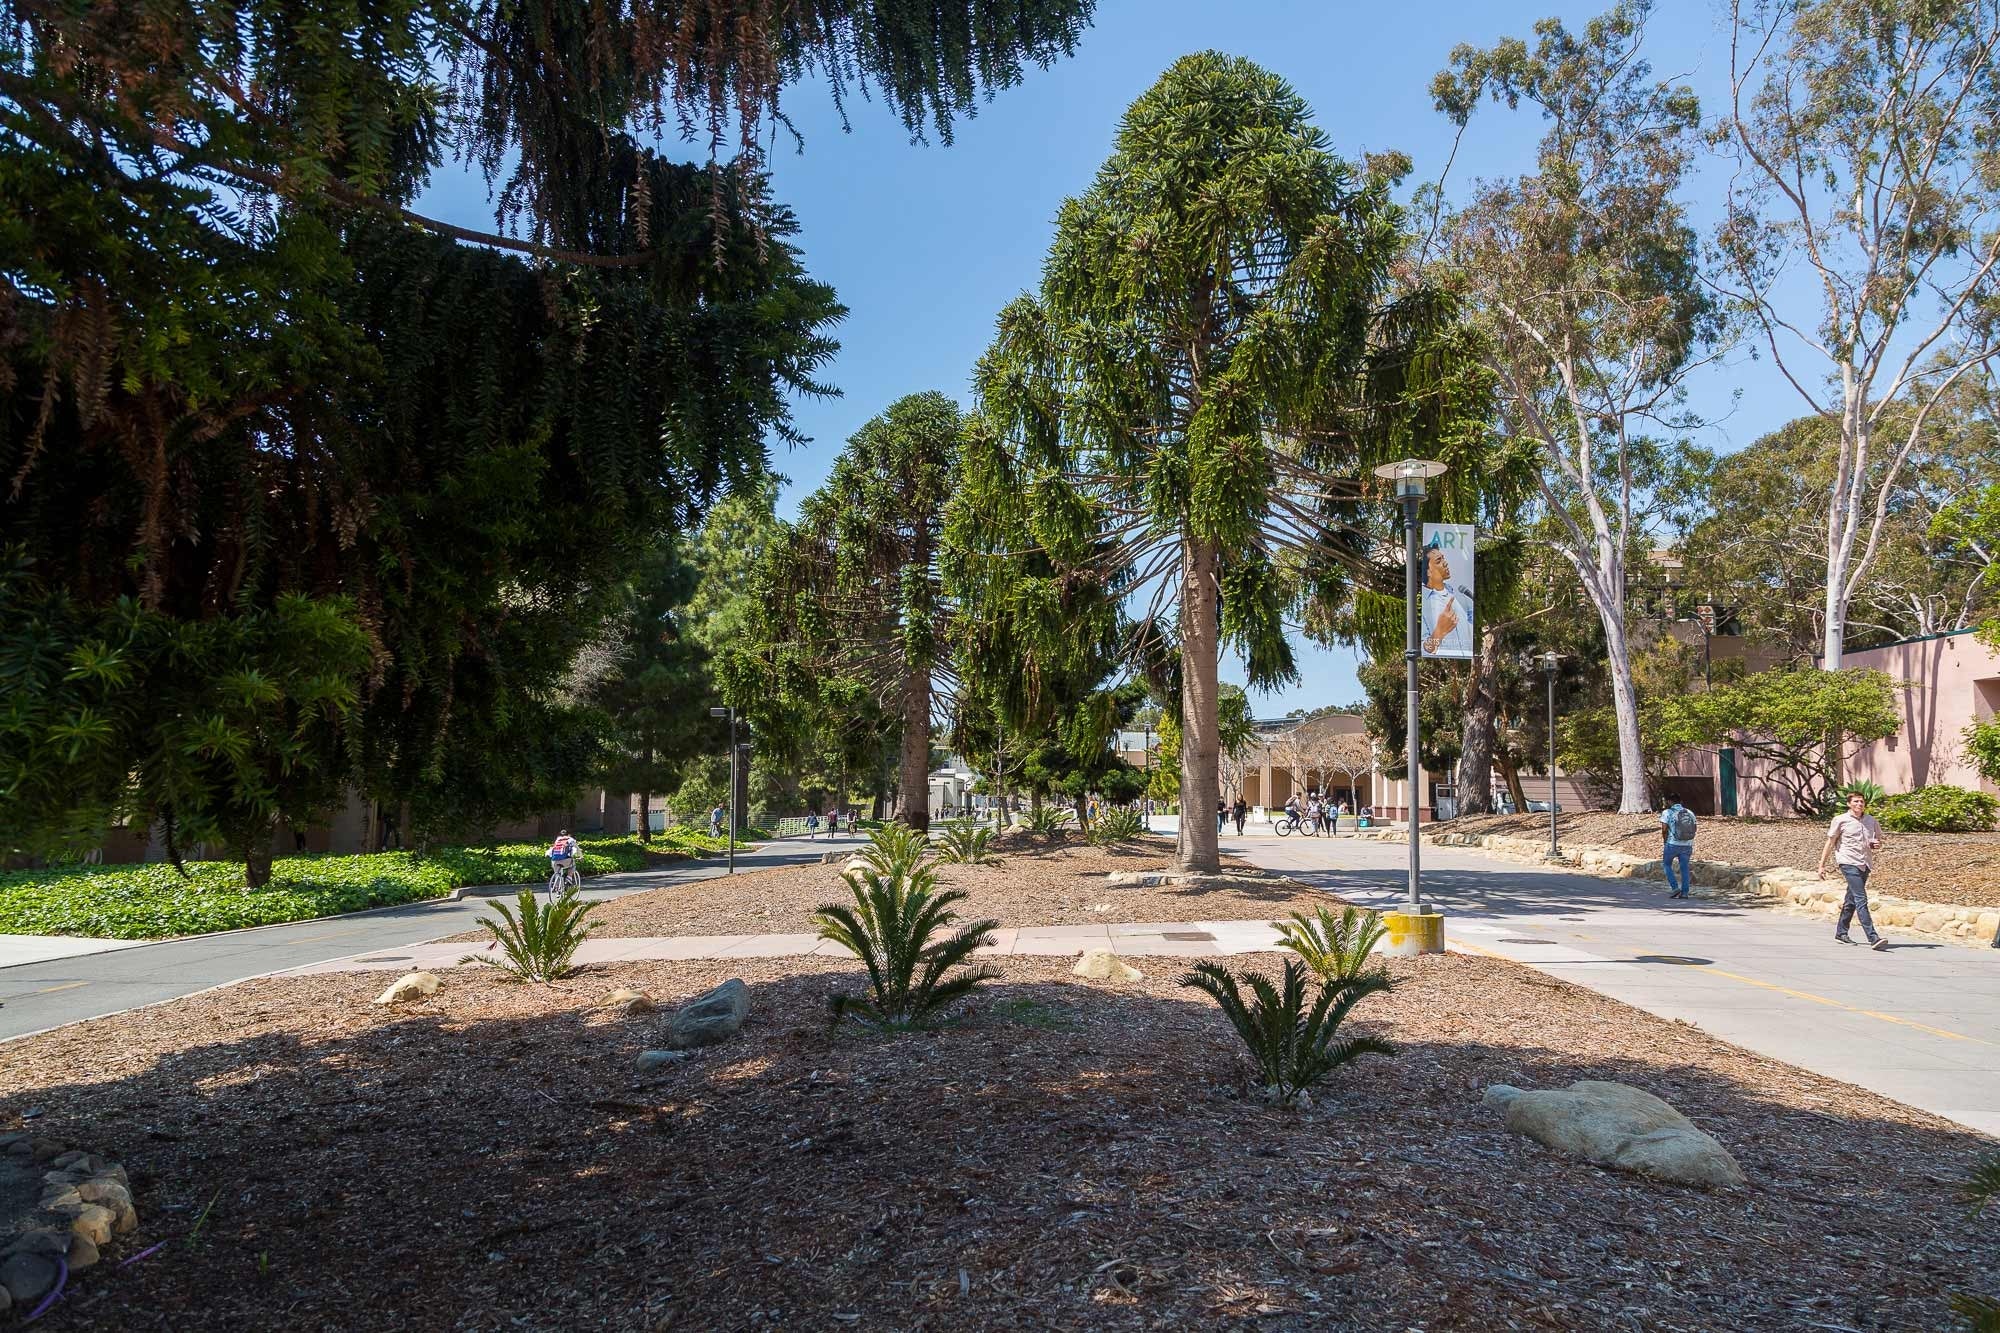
(1409, 476)
(1550, 661)
(730, 713)
(1146, 800)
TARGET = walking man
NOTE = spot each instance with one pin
(1852, 840)
(1240, 812)
(1676, 846)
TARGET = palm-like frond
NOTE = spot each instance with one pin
(1048, 823)
(893, 928)
(537, 942)
(966, 844)
(1294, 1047)
(1117, 825)
(1336, 948)
(893, 845)
(1984, 1187)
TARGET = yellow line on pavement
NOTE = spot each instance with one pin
(67, 985)
(1767, 985)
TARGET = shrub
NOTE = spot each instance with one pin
(966, 845)
(896, 913)
(1981, 1312)
(1939, 809)
(1120, 824)
(1049, 823)
(891, 846)
(1336, 948)
(1294, 1047)
(1872, 792)
(1982, 747)
(537, 941)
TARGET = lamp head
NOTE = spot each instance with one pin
(1409, 475)
(718, 712)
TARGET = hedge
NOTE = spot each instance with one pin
(1938, 809)
(152, 901)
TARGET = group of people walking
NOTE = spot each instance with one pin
(1852, 840)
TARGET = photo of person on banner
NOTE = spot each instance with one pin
(1447, 593)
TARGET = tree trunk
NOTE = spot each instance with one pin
(257, 860)
(1197, 847)
(1633, 798)
(645, 816)
(1476, 743)
(913, 773)
(1511, 775)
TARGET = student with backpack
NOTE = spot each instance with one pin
(1676, 846)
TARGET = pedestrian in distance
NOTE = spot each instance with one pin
(1221, 817)
(1240, 811)
(1852, 840)
(715, 821)
(812, 825)
(1677, 847)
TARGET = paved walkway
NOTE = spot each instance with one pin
(1168, 939)
(46, 993)
(1919, 1023)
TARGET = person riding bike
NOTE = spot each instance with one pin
(563, 859)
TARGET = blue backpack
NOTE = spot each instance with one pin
(1683, 825)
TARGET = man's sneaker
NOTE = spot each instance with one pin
(1843, 939)
(1879, 945)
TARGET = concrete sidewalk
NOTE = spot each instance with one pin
(18, 949)
(1135, 939)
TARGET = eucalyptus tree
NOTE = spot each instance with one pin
(1211, 360)
(856, 588)
(1866, 172)
(1585, 275)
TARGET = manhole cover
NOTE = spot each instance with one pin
(1527, 941)
(1196, 935)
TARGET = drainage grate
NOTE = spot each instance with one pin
(385, 958)
(1200, 936)
(1527, 941)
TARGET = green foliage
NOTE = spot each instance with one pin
(1982, 747)
(1939, 809)
(897, 911)
(1294, 1047)
(1049, 823)
(966, 844)
(1981, 1313)
(1120, 823)
(1800, 724)
(153, 901)
(893, 847)
(537, 942)
(1336, 948)
(1872, 792)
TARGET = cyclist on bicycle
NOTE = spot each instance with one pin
(563, 859)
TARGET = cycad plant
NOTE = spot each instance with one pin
(966, 844)
(1120, 824)
(893, 845)
(1294, 1047)
(537, 942)
(1048, 823)
(1336, 948)
(890, 928)
(1982, 1313)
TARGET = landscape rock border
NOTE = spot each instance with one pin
(86, 1200)
(1786, 887)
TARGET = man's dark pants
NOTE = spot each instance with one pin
(1855, 903)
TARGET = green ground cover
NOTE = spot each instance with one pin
(153, 901)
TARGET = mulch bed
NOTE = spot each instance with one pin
(1069, 1155)
(1958, 868)
(1031, 886)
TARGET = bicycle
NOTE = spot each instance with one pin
(1286, 826)
(563, 878)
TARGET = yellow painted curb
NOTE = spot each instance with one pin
(1413, 933)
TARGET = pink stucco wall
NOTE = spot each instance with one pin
(1944, 683)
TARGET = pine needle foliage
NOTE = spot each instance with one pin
(891, 927)
(1118, 824)
(965, 844)
(537, 940)
(1295, 1046)
(1336, 948)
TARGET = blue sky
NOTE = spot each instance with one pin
(925, 243)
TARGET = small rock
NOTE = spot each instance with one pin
(1104, 965)
(630, 1003)
(1619, 1126)
(82, 1253)
(28, 1277)
(94, 1222)
(107, 1192)
(412, 987)
(711, 1018)
(62, 1199)
(68, 1159)
(39, 1240)
(652, 1062)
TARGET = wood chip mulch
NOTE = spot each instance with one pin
(1962, 869)
(1031, 886)
(1068, 1155)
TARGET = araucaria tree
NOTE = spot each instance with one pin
(1867, 172)
(1210, 362)
(855, 589)
(245, 383)
(1586, 279)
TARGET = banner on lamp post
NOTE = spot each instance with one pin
(1446, 578)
